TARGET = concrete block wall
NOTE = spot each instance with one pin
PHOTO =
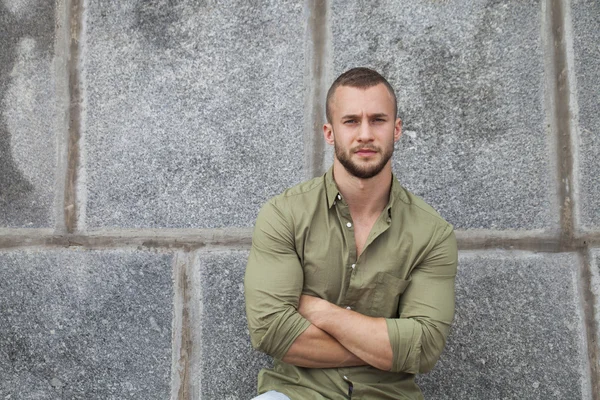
(138, 140)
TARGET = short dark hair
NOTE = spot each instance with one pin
(362, 78)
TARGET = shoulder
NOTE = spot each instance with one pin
(422, 208)
(308, 191)
(281, 212)
(419, 213)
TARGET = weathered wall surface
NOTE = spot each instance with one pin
(29, 107)
(138, 140)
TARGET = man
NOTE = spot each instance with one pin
(350, 279)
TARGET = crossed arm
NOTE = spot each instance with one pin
(339, 338)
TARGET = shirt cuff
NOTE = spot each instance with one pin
(282, 333)
(405, 338)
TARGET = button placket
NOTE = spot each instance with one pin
(381, 225)
(345, 218)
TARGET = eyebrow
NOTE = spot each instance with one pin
(354, 116)
(378, 115)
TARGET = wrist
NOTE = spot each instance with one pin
(326, 316)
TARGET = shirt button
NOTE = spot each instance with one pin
(339, 197)
(348, 308)
(353, 266)
(349, 225)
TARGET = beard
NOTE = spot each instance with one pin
(369, 169)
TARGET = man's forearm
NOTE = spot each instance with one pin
(314, 348)
(364, 336)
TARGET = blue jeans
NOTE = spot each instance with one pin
(272, 395)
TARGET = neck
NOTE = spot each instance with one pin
(364, 196)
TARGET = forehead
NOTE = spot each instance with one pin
(375, 99)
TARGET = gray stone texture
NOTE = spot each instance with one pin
(85, 325)
(518, 331)
(230, 366)
(586, 39)
(27, 113)
(194, 110)
(470, 84)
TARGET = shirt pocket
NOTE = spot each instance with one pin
(386, 295)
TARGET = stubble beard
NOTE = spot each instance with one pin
(367, 171)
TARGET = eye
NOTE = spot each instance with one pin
(350, 121)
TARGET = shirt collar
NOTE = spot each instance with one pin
(396, 193)
(331, 188)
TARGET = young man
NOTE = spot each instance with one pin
(350, 280)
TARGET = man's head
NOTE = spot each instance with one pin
(362, 123)
(361, 78)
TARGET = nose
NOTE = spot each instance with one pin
(365, 134)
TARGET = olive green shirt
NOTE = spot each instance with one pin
(303, 243)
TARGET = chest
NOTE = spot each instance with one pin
(364, 265)
(362, 230)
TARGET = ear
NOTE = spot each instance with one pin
(328, 133)
(397, 129)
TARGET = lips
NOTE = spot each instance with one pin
(365, 151)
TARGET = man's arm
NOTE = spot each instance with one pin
(273, 283)
(364, 336)
(413, 342)
(315, 348)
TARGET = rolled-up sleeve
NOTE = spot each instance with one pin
(273, 284)
(419, 335)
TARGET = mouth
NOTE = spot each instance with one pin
(366, 152)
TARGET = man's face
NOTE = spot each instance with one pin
(363, 129)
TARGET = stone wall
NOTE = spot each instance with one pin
(138, 139)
